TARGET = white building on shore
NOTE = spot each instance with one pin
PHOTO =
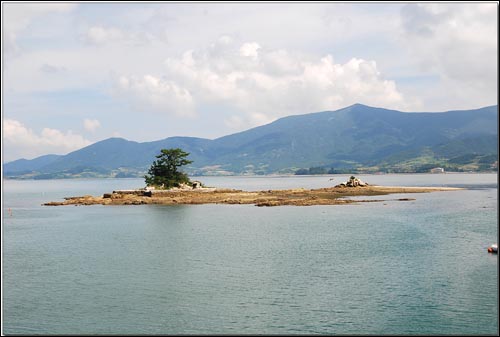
(437, 170)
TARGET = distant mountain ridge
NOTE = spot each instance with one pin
(355, 138)
(25, 165)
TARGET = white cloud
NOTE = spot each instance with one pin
(265, 84)
(459, 43)
(51, 69)
(250, 50)
(271, 60)
(150, 93)
(17, 16)
(91, 125)
(101, 35)
(23, 140)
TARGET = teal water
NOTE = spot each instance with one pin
(389, 267)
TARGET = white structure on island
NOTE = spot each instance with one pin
(437, 170)
(353, 182)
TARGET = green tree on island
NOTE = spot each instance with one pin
(164, 171)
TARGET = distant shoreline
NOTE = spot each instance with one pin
(288, 197)
(271, 175)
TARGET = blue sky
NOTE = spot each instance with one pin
(77, 73)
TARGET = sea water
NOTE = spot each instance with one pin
(386, 267)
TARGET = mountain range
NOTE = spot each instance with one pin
(357, 138)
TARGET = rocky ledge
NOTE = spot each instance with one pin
(295, 197)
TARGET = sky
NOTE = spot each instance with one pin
(77, 73)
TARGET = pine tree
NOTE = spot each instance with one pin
(164, 172)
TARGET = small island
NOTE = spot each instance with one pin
(189, 195)
(166, 185)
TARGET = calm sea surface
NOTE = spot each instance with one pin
(389, 267)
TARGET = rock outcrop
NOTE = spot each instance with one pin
(353, 182)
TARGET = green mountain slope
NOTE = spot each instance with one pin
(355, 137)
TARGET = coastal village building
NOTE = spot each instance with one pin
(437, 170)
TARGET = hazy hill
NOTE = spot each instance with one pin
(358, 136)
(26, 166)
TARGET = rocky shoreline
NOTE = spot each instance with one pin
(293, 197)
